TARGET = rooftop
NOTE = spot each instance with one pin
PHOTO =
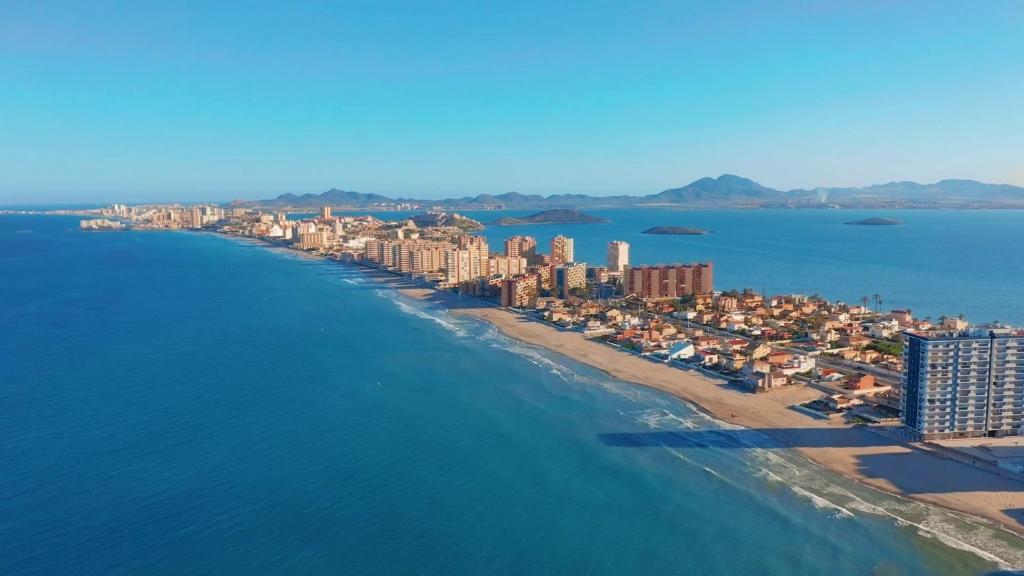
(972, 332)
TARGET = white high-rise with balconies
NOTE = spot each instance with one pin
(964, 383)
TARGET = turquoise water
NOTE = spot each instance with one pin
(180, 403)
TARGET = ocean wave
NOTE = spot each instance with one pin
(766, 459)
(540, 357)
(845, 498)
(664, 419)
(404, 306)
(821, 503)
(536, 356)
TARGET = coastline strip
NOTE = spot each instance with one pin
(854, 452)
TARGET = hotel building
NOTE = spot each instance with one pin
(618, 255)
(964, 384)
(668, 281)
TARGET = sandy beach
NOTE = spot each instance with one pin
(854, 452)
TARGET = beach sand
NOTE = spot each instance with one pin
(854, 452)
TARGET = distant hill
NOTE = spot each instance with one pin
(557, 216)
(725, 191)
(332, 197)
(942, 192)
(725, 188)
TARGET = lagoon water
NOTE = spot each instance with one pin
(182, 403)
(937, 262)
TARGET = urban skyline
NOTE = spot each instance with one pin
(603, 288)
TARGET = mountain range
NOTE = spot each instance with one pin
(726, 191)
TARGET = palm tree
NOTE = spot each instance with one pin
(878, 301)
(864, 302)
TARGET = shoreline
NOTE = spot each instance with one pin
(905, 470)
(912, 480)
(853, 452)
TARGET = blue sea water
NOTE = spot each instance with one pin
(186, 403)
(938, 262)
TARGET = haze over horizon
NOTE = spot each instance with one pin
(186, 102)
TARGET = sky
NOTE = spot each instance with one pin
(104, 101)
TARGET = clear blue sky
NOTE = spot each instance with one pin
(139, 100)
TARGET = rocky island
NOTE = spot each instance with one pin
(679, 230)
(446, 219)
(557, 216)
(875, 221)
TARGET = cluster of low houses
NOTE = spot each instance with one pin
(759, 366)
(665, 338)
(813, 325)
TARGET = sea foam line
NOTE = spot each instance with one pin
(414, 311)
(500, 340)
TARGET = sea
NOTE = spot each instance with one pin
(189, 403)
(935, 263)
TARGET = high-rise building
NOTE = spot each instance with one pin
(522, 247)
(545, 276)
(519, 291)
(467, 241)
(420, 256)
(964, 384)
(506, 265)
(374, 251)
(668, 281)
(408, 256)
(618, 255)
(561, 250)
(310, 237)
(325, 212)
(569, 277)
(468, 262)
(427, 257)
(196, 217)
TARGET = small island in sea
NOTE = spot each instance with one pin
(446, 219)
(556, 216)
(446, 263)
(679, 230)
(875, 221)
